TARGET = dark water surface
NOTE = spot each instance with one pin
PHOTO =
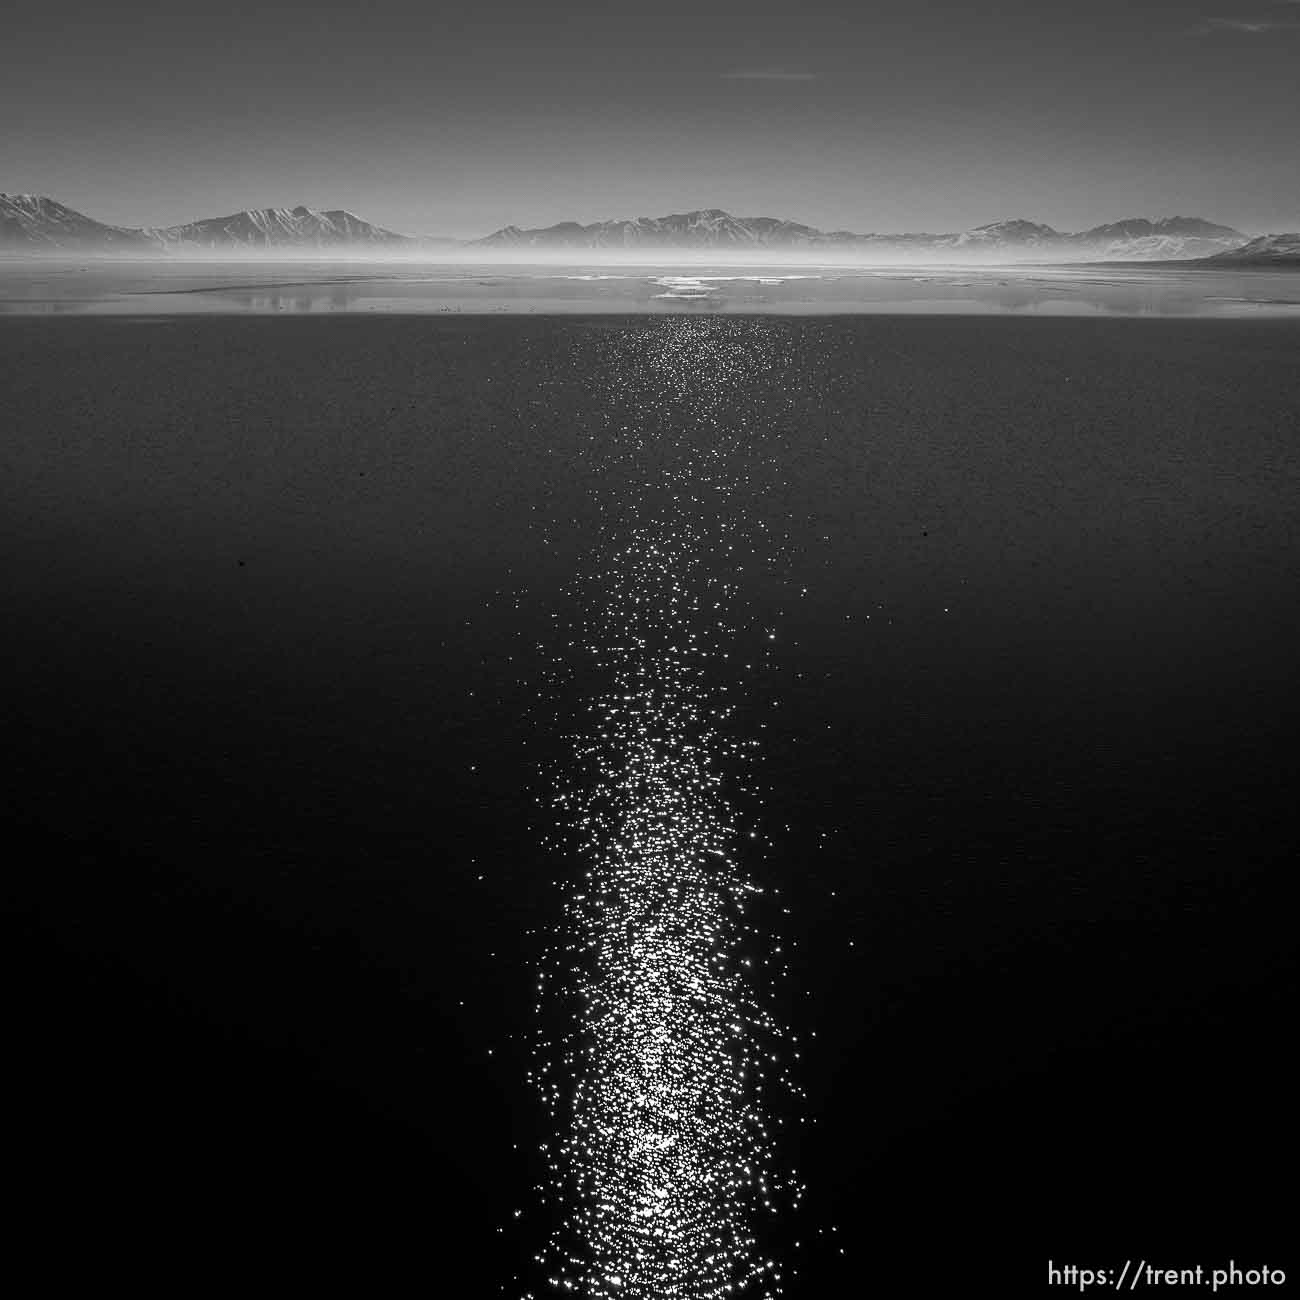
(280, 596)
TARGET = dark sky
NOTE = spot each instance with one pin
(893, 115)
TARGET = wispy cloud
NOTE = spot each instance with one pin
(1252, 26)
(768, 74)
(1278, 18)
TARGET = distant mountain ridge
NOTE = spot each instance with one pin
(1134, 237)
(704, 228)
(36, 223)
(1267, 250)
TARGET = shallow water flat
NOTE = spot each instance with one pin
(303, 287)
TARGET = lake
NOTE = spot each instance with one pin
(318, 596)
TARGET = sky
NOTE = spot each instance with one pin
(892, 115)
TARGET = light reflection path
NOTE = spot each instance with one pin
(665, 1162)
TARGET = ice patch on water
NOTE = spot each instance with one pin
(684, 286)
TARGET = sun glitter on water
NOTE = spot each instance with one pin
(665, 1162)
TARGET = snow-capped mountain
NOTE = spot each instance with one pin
(279, 228)
(39, 224)
(32, 221)
(1267, 250)
(705, 228)
(1133, 239)
(35, 223)
(999, 235)
(1170, 227)
(1137, 238)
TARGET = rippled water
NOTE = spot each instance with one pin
(1004, 608)
(665, 1156)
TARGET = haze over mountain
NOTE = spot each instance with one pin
(38, 224)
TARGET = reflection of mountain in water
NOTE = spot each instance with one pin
(301, 300)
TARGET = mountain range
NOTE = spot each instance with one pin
(35, 223)
(43, 224)
(1135, 238)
